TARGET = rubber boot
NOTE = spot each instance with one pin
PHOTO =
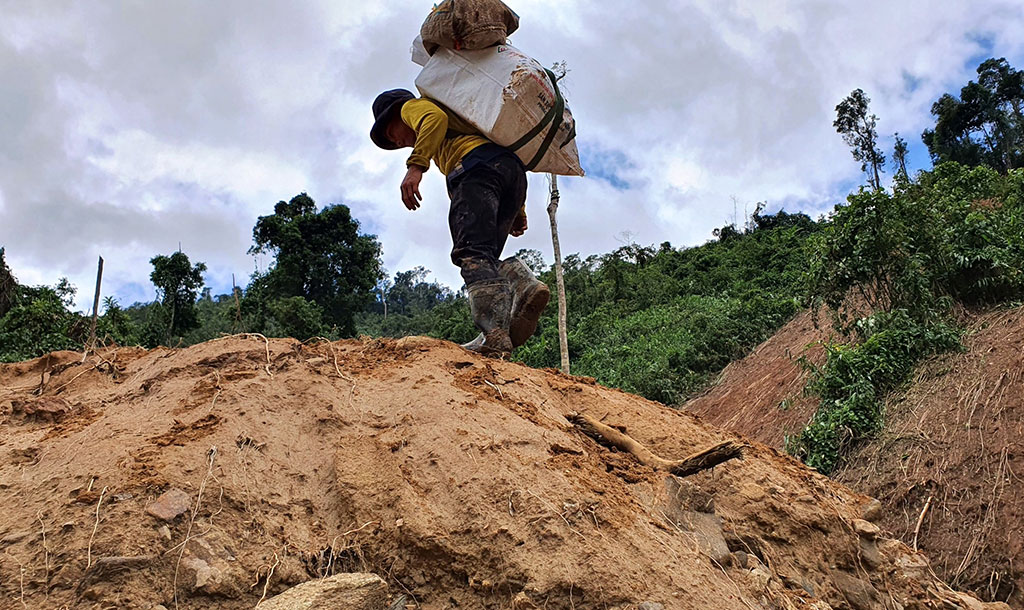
(529, 298)
(490, 303)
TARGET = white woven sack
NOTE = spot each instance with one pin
(511, 99)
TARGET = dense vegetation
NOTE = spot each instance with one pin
(661, 321)
(35, 320)
(323, 275)
(656, 321)
(891, 267)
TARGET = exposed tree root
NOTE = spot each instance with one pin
(702, 460)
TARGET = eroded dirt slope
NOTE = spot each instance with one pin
(956, 435)
(761, 395)
(207, 477)
(955, 442)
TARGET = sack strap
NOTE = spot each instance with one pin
(569, 138)
(554, 117)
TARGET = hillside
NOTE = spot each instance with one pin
(761, 395)
(457, 479)
(951, 441)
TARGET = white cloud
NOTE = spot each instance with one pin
(139, 157)
(128, 127)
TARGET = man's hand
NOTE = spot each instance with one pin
(519, 225)
(411, 187)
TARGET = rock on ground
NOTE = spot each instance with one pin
(209, 566)
(350, 591)
(170, 504)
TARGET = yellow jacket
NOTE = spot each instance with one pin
(441, 136)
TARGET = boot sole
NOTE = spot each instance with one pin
(524, 322)
(496, 345)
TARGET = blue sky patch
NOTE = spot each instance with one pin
(606, 164)
(911, 83)
(986, 44)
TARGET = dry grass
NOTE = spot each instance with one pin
(46, 554)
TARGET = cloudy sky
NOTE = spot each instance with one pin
(128, 127)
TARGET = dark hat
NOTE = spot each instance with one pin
(383, 108)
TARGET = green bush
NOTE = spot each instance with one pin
(855, 379)
(954, 235)
(38, 322)
(295, 317)
(661, 322)
(957, 233)
(116, 325)
(665, 352)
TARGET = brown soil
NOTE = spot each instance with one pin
(458, 479)
(761, 396)
(955, 436)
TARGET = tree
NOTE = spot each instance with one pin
(320, 256)
(178, 283)
(410, 305)
(858, 130)
(985, 125)
(39, 321)
(726, 233)
(409, 294)
(899, 158)
(115, 324)
(8, 286)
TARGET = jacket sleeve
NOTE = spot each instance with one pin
(430, 124)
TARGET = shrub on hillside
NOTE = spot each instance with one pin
(855, 378)
(956, 235)
(668, 351)
(38, 321)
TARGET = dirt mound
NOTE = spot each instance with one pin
(955, 436)
(211, 476)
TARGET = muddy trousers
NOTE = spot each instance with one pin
(485, 199)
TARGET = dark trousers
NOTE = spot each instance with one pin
(485, 200)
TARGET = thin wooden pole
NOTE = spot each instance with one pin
(563, 340)
(238, 306)
(95, 306)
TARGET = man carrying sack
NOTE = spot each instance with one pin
(487, 187)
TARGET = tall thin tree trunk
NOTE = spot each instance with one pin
(563, 341)
(237, 326)
(95, 307)
(174, 310)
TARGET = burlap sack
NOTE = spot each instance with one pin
(468, 25)
(511, 99)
